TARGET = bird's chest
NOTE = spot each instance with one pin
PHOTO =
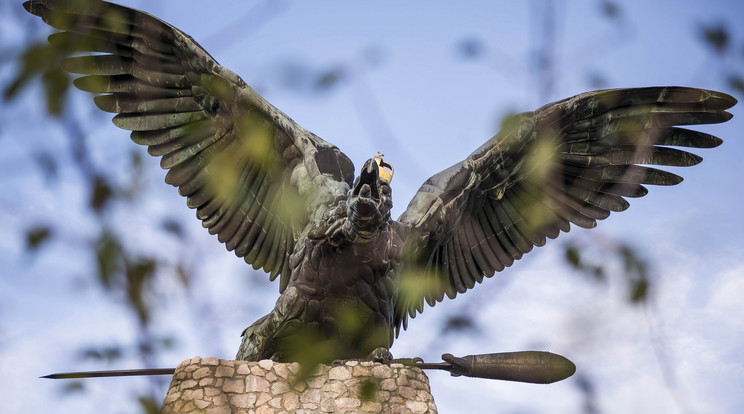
(353, 270)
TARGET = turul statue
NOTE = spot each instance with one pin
(291, 204)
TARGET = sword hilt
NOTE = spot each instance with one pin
(535, 367)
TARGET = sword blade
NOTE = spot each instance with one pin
(112, 373)
(433, 365)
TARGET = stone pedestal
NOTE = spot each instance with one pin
(216, 386)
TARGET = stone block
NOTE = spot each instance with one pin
(215, 386)
(223, 371)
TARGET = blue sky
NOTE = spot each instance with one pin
(426, 108)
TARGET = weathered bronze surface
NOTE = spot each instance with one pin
(289, 203)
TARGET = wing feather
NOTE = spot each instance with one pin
(509, 227)
(126, 84)
(491, 243)
(486, 261)
(572, 161)
(464, 259)
(451, 261)
(500, 247)
(125, 104)
(233, 155)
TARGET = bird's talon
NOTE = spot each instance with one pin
(381, 355)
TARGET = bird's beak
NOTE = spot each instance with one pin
(367, 186)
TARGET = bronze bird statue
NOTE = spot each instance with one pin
(289, 203)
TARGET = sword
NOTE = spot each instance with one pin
(535, 367)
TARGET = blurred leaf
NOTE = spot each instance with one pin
(166, 342)
(634, 268)
(308, 347)
(136, 159)
(37, 237)
(416, 283)
(134, 187)
(56, 84)
(139, 274)
(611, 10)
(633, 263)
(598, 272)
(105, 353)
(47, 164)
(108, 257)
(736, 82)
(183, 275)
(373, 56)
(588, 390)
(35, 60)
(639, 290)
(173, 227)
(149, 406)
(41, 60)
(350, 322)
(471, 48)
(368, 390)
(293, 75)
(716, 36)
(146, 347)
(329, 78)
(73, 386)
(459, 323)
(572, 256)
(101, 193)
(596, 80)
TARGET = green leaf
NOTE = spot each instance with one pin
(108, 258)
(37, 237)
(368, 390)
(33, 63)
(56, 84)
(41, 60)
(149, 406)
(572, 257)
(639, 290)
(101, 193)
(139, 274)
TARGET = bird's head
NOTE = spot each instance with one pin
(370, 200)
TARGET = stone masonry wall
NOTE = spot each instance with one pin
(216, 386)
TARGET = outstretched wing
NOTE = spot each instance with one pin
(254, 177)
(572, 161)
